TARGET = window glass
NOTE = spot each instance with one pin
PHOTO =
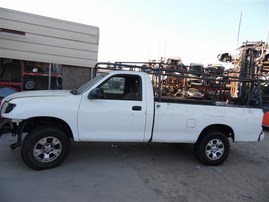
(90, 83)
(114, 85)
(122, 87)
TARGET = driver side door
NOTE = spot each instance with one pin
(118, 115)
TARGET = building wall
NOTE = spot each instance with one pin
(34, 38)
(29, 37)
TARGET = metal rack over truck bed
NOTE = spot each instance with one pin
(180, 83)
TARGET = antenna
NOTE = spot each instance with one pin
(267, 40)
(236, 51)
(239, 29)
(149, 51)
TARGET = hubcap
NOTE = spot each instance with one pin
(47, 149)
(214, 149)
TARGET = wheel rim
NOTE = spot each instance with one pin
(47, 149)
(214, 149)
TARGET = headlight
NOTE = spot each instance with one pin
(7, 107)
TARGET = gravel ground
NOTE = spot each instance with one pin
(138, 172)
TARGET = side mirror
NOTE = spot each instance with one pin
(96, 93)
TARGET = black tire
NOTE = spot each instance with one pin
(45, 147)
(213, 148)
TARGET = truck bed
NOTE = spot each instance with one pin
(173, 99)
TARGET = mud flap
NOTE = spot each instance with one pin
(19, 136)
(5, 126)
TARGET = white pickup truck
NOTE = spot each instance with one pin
(121, 106)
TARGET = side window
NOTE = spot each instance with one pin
(114, 87)
(133, 88)
(122, 87)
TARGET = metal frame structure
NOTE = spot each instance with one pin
(178, 75)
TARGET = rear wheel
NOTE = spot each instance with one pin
(213, 148)
(45, 147)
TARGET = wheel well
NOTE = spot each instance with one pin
(226, 130)
(35, 122)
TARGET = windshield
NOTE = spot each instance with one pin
(89, 84)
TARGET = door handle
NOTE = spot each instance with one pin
(136, 108)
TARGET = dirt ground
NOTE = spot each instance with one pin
(138, 172)
(173, 172)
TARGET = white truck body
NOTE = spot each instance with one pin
(119, 120)
(114, 120)
(185, 122)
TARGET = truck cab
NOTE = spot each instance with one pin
(119, 107)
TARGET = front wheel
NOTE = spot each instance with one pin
(45, 147)
(213, 148)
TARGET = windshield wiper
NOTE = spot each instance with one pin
(74, 91)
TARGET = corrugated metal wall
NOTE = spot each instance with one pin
(48, 40)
